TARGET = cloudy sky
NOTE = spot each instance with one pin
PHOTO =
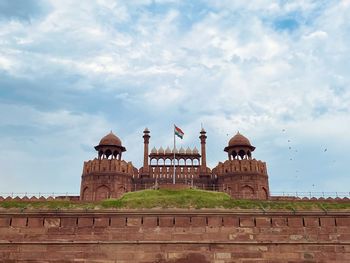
(277, 71)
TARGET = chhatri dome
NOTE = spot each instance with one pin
(240, 140)
(239, 146)
(110, 146)
(110, 139)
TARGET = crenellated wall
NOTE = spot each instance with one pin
(109, 165)
(175, 236)
(246, 178)
(106, 178)
(241, 166)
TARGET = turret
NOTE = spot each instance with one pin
(241, 176)
(146, 137)
(203, 138)
(107, 176)
(110, 146)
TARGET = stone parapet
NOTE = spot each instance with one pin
(109, 166)
(175, 236)
(241, 166)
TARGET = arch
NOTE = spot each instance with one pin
(234, 155)
(181, 161)
(264, 193)
(87, 194)
(102, 192)
(161, 161)
(188, 162)
(247, 192)
(167, 161)
(121, 190)
(249, 154)
(241, 154)
(153, 161)
(195, 161)
(108, 153)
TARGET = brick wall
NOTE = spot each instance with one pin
(174, 236)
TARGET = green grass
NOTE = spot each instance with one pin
(187, 198)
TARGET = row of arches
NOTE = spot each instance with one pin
(109, 154)
(102, 192)
(241, 154)
(180, 161)
(248, 192)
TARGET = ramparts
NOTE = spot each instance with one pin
(174, 236)
(241, 166)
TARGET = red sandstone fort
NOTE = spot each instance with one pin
(113, 235)
(108, 176)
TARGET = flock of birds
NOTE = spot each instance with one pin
(290, 148)
(293, 150)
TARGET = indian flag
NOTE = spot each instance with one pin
(178, 132)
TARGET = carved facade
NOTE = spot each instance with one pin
(108, 176)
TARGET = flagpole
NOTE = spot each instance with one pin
(174, 156)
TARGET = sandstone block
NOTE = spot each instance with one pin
(52, 222)
(263, 221)
(343, 221)
(85, 222)
(295, 222)
(182, 221)
(279, 222)
(133, 221)
(101, 222)
(222, 255)
(198, 221)
(327, 221)
(311, 221)
(5, 221)
(214, 221)
(230, 221)
(150, 221)
(118, 221)
(166, 221)
(68, 221)
(19, 222)
(35, 222)
(246, 222)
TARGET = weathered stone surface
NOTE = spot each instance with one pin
(173, 237)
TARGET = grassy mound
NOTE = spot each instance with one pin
(186, 198)
(164, 198)
(192, 198)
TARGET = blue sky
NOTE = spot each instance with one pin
(277, 71)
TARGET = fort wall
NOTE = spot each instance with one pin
(106, 178)
(174, 236)
(245, 178)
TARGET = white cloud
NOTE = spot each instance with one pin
(228, 67)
